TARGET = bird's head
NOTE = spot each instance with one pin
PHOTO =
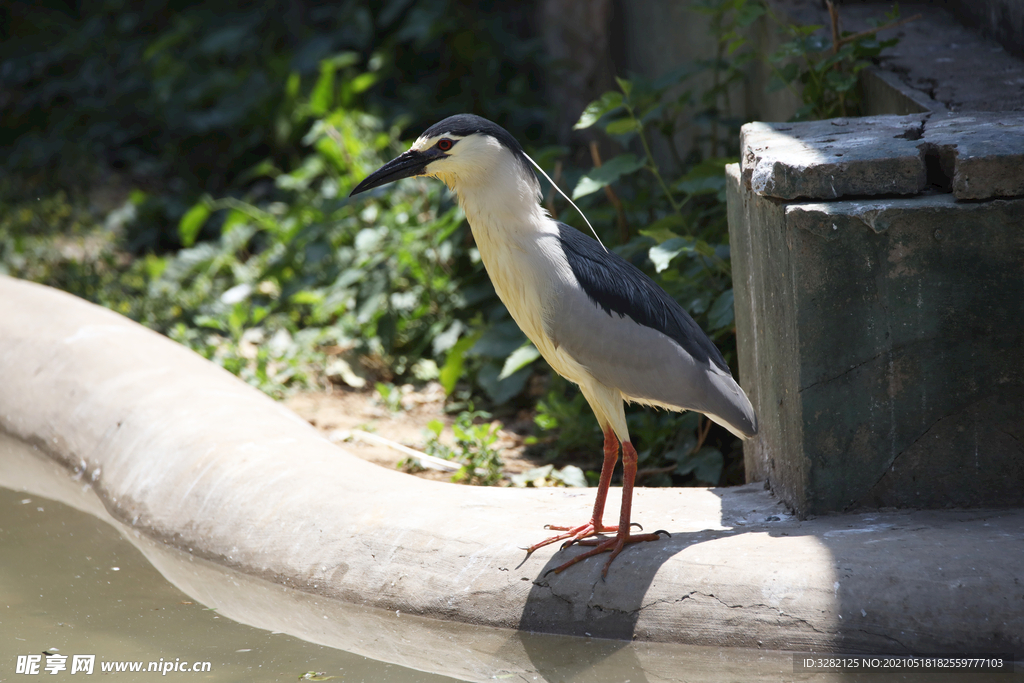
(461, 150)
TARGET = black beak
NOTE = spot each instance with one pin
(410, 164)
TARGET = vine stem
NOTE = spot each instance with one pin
(652, 165)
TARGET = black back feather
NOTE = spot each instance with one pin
(619, 287)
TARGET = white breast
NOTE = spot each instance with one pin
(518, 244)
(528, 270)
(521, 282)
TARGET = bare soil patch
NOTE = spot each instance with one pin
(339, 413)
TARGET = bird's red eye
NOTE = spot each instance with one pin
(444, 144)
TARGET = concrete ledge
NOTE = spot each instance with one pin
(185, 453)
(975, 155)
(469, 653)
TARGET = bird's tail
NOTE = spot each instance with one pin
(733, 409)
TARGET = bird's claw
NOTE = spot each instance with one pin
(614, 545)
(572, 534)
(570, 543)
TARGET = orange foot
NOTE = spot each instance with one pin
(574, 534)
(612, 545)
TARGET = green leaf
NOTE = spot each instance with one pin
(192, 222)
(595, 110)
(622, 126)
(704, 249)
(498, 341)
(785, 76)
(306, 297)
(362, 82)
(607, 174)
(291, 88)
(586, 186)
(707, 177)
(501, 390)
(748, 13)
(237, 317)
(661, 230)
(154, 266)
(735, 45)
(451, 371)
(234, 219)
(519, 359)
(721, 314)
(322, 98)
(626, 86)
(342, 59)
(706, 465)
(661, 255)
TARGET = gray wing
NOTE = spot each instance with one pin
(632, 336)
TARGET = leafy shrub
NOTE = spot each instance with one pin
(188, 98)
(823, 70)
(474, 447)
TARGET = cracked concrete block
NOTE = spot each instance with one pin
(880, 343)
(974, 155)
(985, 152)
(834, 158)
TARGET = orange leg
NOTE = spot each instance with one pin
(622, 536)
(594, 526)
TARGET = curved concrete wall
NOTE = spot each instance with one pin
(460, 651)
(188, 454)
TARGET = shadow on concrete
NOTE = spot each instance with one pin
(595, 607)
(894, 582)
(601, 607)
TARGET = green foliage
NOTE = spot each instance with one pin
(382, 278)
(607, 174)
(474, 447)
(292, 273)
(190, 98)
(390, 396)
(56, 239)
(566, 417)
(823, 70)
(547, 475)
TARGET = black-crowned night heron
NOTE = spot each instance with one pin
(596, 319)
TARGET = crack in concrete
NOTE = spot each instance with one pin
(666, 601)
(764, 606)
(1010, 434)
(885, 470)
(887, 637)
(845, 372)
(900, 348)
(591, 604)
(914, 132)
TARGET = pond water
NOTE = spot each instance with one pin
(71, 584)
